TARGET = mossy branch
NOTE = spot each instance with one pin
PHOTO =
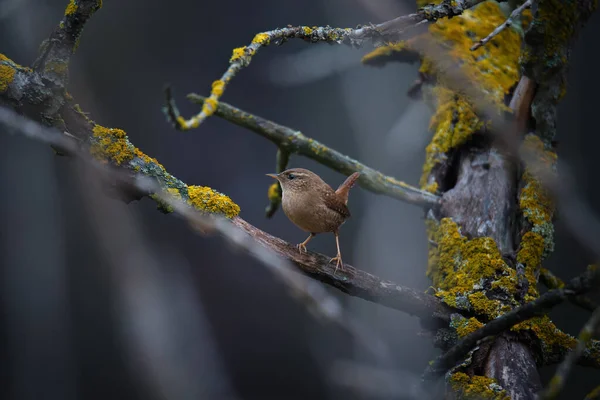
(295, 142)
(594, 394)
(382, 33)
(585, 336)
(584, 283)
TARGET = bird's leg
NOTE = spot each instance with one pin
(338, 258)
(302, 246)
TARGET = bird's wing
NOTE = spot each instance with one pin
(333, 202)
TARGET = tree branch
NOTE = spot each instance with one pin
(551, 281)
(385, 32)
(509, 21)
(558, 380)
(295, 142)
(579, 285)
(56, 51)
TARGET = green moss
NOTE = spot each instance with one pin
(477, 387)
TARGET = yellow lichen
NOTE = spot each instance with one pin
(209, 106)
(534, 202)
(307, 31)
(71, 8)
(7, 74)
(206, 199)
(468, 326)
(494, 68)
(382, 53)
(477, 387)
(238, 53)
(217, 87)
(274, 193)
(262, 39)
(111, 144)
(460, 267)
(147, 159)
(552, 340)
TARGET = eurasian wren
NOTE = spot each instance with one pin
(313, 206)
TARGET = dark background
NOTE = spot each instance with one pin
(58, 301)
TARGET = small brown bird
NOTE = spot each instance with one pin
(313, 206)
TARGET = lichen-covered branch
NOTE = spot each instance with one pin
(551, 281)
(296, 142)
(56, 51)
(588, 281)
(585, 336)
(509, 21)
(381, 33)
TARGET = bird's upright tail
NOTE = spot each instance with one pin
(345, 187)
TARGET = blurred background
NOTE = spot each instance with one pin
(100, 299)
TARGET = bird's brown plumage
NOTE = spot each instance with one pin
(312, 205)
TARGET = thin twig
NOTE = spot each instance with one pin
(385, 32)
(295, 142)
(509, 21)
(562, 373)
(579, 285)
(353, 281)
(551, 281)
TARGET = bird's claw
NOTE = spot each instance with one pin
(301, 248)
(338, 262)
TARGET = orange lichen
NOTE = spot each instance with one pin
(209, 107)
(477, 387)
(218, 87)
(206, 199)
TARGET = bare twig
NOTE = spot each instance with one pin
(509, 21)
(579, 285)
(558, 380)
(551, 281)
(385, 32)
(295, 142)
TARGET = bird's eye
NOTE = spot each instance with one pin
(291, 176)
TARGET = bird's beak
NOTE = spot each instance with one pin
(274, 176)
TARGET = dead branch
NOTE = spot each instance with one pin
(509, 21)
